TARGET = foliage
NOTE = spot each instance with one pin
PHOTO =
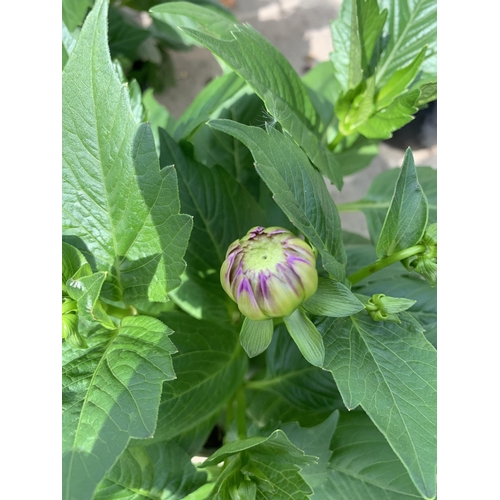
(159, 365)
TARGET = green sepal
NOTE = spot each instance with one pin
(255, 336)
(389, 305)
(332, 299)
(306, 336)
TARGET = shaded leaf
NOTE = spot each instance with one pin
(390, 370)
(74, 12)
(210, 366)
(111, 393)
(255, 336)
(162, 470)
(291, 388)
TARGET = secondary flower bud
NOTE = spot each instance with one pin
(269, 273)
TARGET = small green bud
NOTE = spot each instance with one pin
(383, 308)
(425, 263)
(269, 273)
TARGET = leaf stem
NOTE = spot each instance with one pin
(386, 261)
(336, 141)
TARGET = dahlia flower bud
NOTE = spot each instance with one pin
(269, 273)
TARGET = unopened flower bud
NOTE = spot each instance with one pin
(269, 273)
(383, 308)
(426, 263)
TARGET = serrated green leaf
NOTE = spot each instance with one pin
(390, 370)
(223, 210)
(406, 219)
(377, 200)
(314, 441)
(304, 199)
(400, 112)
(162, 470)
(270, 75)
(354, 35)
(363, 465)
(332, 299)
(291, 389)
(411, 25)
(400, 81)
(157, 116)
(306, 336)
(210, 366)
(272, 463)
(117, 204)
(255, 336)
(111, 393)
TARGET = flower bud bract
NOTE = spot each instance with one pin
(269, 273)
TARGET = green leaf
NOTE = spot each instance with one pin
(162, 470)
(377, 200)
(355, 34)
(400, 81)
(111, 393)
(332, 299)
(86, 291)
(363, 465)
(270, 75)
(303, 198)
(406, 219)
(411, 25)
(390, 370)
(210, 366)
(314, 441)
(73, 261)
(272, 463)
(291, 389)
(74, 12)
(255, 336)
(209, 100)
(68, 44)
(306, 336)
(157, 116)
(400, 112)
(117, 204)
(223, 210)
(125, 35)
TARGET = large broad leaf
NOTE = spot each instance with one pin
(406, 219)
(377, 200)
(390, 370)
(117, 204)
(111, 393)
(162, 470)
(223, 210)
(210, 366)
(270, 75)
(362, 465)
(298, 189)
(291, 388)
(411, 25)
(271, 465)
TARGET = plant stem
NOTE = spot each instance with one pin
(387, 261)
(241, 421)
(336, 141)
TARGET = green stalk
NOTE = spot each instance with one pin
(241, 421)
(336, 141)
(387, 261)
